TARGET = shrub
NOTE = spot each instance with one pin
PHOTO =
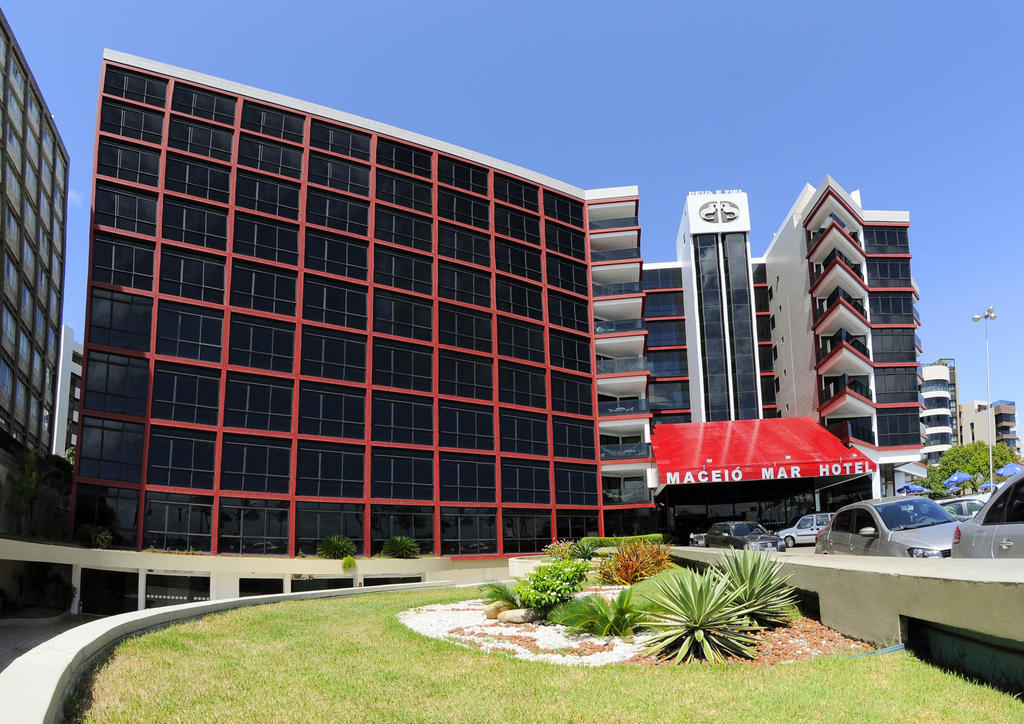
(619, 540)
(584, 550)
(401, 546)
(597, 615)
(348, 563)
(697, 617)
(501, 592)
(335, 547)
(547, 586)
(560, 550)
(634, 561)
(757, 580)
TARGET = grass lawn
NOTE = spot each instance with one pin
(351, 660)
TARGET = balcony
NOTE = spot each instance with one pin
(836, 255)
(618, 326)
(835, 386)
(834, 237)
(829, 344)
(853, 430)
(617, 290)
(597, 255)
(626, 451)
(624, 222)
(613, 408)
(619, 366)
(824, 306)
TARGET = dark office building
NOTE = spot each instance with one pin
(302, 323)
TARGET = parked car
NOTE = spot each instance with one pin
(997, 531)
(697, 540)
(742, 534)
(964, 508)
(805, 530)
(894, 526)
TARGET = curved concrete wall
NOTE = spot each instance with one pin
(33, 688)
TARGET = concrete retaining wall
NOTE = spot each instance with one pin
(870, 598)
(33, 688)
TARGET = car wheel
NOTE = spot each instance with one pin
(790, 542)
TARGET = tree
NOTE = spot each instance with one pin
(39, 486)
(971, 459)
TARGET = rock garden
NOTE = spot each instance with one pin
(631, 604)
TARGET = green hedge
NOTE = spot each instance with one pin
(602, 542)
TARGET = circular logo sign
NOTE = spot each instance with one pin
(719, 212)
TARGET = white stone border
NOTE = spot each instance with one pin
(33, 688)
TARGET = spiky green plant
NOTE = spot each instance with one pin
(335, 547)
(401, 546)
(596, 615)
(348, 563)
(584, 549)
(696, 617)
(501, 592)
(759, 585)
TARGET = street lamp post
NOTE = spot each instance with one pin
(990, 314)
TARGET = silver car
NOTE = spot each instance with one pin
(997, 531)
(805, 530)
(895, 526)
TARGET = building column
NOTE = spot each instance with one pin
(141, 604)
(876, 482)
(76, 581)
(899, 479)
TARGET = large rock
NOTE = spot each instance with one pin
(519, 615)
(491, 610)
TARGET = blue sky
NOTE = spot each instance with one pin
(917, 104)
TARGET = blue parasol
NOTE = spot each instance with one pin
(1010, 469)
(912, 488)
(957, 478)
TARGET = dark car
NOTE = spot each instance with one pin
(742, 534)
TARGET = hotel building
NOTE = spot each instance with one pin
(304, 323)
(939, 415)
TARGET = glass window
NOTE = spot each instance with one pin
(338, 174)
(403, 419)
(463, 284)
(268, 195)
(466, 478)
(181, 458)
(334, 355)
(329, 470)
(569, 351)
(195, 224)
(252, 526)
(404, 271)
(573, 438)
(115, 383)
(464, 375)
(522, 385)
(258, 403)
(402, 474)
(191, 275)
(186, 394)
(262, 343)
(513, 191)
(263, 289)
(406, 229)
(116, 509)
(413, 521)
(177, 522)
(404, 191)
(130, 121)
(525, 531)
(524, 432)
(266, 239)
(515, 297)
(570, 393)
(186, 331)
(518, 225)
(463, 208)
(464, 175)
(201, 139)
(196, 178)
(135, 86)
(339, 140)
(337, 212)
(269, 156)
(575, 484)
(122, 262)
(464, 245)
(567, 311)
(460, 327)
(568, 275)
(525, 481)
(465, 426)
(336, 255)
(203, 103)
(522, 340)
(408, 366)
(468, 531)
(563, 208)
(272, 122)
(333, 302)
(111, 449)
(315, 521)
(120, 320)
(404, 158)
(125, 209)
(331, 411)
(402, 316)
(517, 259)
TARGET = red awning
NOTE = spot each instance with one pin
(779, 448)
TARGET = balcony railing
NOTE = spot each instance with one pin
(614, 326)
(614, 290)
(632, 252)
(626, 451)
(614, 223)
(821, 232)
(622, 364)
(836, 385)
(829, 344)
(856, 430)
(632, 406)
(836, 255)
(825, 306)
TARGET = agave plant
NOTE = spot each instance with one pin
(597, 615)
(335, 547)
(759, 585)
(584, 550)
(400, 546)
(697, 617)
(501, 592)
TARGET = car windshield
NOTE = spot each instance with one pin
(748, 529)
(912, 513)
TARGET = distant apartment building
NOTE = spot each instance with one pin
(939, 414)
(69, 393)
(975, 423)
(33, 206)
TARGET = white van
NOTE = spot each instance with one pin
(806, 529)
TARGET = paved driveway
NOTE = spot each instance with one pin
(16, 639)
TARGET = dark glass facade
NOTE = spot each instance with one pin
(299, 328)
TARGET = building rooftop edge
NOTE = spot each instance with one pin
(230, 86)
